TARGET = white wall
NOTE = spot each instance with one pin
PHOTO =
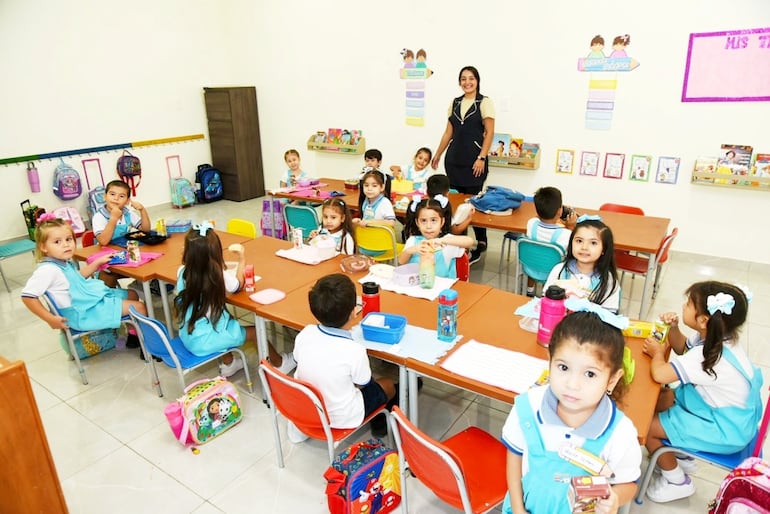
(317, 67)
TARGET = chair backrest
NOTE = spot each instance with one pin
(298, 401)
(377, 241)
(665, 245)
(154, 335)
(432, 463)
(762, 434)
(241, 227)
(617, 207)
(88, 239)
(463, 267)
(538, 258)
(301, 216)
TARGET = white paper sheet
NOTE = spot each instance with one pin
(431, 294)
(306, 255)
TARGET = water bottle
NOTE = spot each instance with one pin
(33, 177)
(551, 313)
(447, 315)
(427, 272)
(370, 298)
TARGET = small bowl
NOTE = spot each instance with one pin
(326, 247)
(407, 275)
(351, 183)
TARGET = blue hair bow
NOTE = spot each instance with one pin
(722, 302)
(583, 304)
(589, 217)
(203, 227)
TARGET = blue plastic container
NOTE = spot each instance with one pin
(391, 333)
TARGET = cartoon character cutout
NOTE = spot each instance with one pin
(597, 48)
(408, 56)
(619, 45)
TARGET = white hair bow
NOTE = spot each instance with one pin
(441, 199)
(203, 227)
(722, 302)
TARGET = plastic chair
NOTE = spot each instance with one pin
(535, 259)
(379, 243)
(89, 239)
(728, 462)
(72, 335)
(302, 404)
(638, 264)
(301, 216)
(617, 207)
(241, 227)
(463, 267)
(509, 238)
(155, 341)
(467, 471)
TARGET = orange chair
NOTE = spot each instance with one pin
(467, 471)
(302, 404)
(637, 264)
(88, 239)
(617, 207)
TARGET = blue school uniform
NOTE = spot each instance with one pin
(206, 338)
(443, 268)
(692, 424)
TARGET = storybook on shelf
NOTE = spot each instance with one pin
(704, 165)
(762, 165)
(734, 160)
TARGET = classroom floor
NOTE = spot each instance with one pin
(115, 453)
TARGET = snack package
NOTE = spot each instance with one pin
(585, 491)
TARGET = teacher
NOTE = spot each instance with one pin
(468, 135)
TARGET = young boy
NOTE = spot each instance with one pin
(373, 158)
(549, 226)
(328, 358)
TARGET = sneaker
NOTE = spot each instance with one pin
(661, 490)
(531, 291)
(287, 363)
(379, 425)
(475, 256)
(228, 370)
(295, 435)
(687, 463)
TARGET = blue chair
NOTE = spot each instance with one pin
(155, 341)
(301, 216)
(728, 462)
(509, 238)
(71, 335)
(536, 259)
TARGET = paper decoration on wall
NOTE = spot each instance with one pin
(603, 80)
(415, 73)
(668, 170)
(639, 169)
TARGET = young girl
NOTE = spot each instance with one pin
(86, 304)
(294, 173)
(589, 268)
(374, 199)
(576, 407)
(438, 186)
(418, 171)
(717, 406)
(202, 284)
(428, 221)
(337, 223)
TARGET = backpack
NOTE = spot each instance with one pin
(95, 198)
(272, 216)
(497, 200)
(209, 181)
(209, 407)
(745, 490)
(130, 170)
(182, 190)
(73, 216)
(66, 181)
(31, 214)
(365, 477)
(91, 344)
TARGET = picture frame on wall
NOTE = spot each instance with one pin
(589, 164)
(639, 168)
(564, 160)
(613, 165)
(668, 170)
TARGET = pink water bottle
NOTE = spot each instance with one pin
(33, 177)
(552, 311)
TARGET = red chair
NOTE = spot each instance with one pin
(302, 404)
(467, 471)
(617, 207)
(463, 267)
(637, 264)
(88, 239)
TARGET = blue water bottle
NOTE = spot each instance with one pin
(447, 315)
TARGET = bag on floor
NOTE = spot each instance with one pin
(94, 343)
(745, 490)
(209, 407)
(66, 181)
(364, 478)
(31, 214)
(497, 200)
(209, 181)
(273, 208)
(182, 190)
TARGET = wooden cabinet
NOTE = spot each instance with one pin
(234, 136)
(30, 482)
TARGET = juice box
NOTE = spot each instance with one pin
(585, 491)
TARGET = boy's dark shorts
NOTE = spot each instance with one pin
(374, 397)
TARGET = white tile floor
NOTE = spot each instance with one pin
(115, 453)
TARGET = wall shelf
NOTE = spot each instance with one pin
(703, 178)
(524, 163)
(336, 148)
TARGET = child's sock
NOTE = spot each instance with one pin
(674, 476)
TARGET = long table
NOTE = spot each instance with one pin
(631, 232)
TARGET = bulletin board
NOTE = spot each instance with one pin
(729, 66)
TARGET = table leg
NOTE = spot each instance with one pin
(260, 325)
(649, 280)
(413, 411)
(148, 298)
(166, 307)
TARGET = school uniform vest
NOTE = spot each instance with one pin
(467, 139)
(443, 268)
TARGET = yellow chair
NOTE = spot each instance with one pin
(241, 228)
(379, 243)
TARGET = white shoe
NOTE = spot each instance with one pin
(287, 363)
(688, 464)
(661, 490)
(296, 436)
(228, 370)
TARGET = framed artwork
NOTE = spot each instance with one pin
(639, 169)
(613, 165)
(564, 160)
(589, 164)
(668, 170)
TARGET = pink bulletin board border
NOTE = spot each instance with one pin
(762, 42)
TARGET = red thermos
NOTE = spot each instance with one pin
(370, 297)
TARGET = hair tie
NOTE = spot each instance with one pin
(443, 200)
(584, 304)
(721, 302)
(46, 216)
(203, 227)
(589, 217)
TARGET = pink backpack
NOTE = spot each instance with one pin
(209, 407)
(73, 216)
(745, 490)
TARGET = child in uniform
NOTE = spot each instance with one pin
(337, 223)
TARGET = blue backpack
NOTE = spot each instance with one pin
(66, 181)
(497, 199)
(209, 181)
